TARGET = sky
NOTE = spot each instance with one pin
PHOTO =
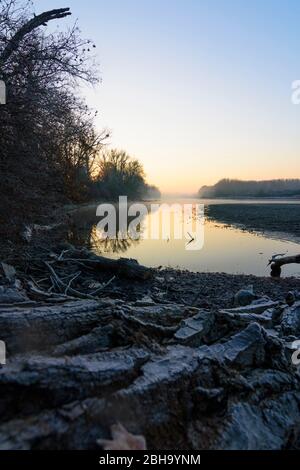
(197, 90)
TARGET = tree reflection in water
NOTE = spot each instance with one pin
(110, 245)
(83, 232)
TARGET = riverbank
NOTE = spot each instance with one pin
(189, 360)
(212, 289)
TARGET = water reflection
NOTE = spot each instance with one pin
(226, 249)
(83, 231)
(107, 245)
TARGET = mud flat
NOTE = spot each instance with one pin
(278, 219)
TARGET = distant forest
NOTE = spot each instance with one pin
(237, 188)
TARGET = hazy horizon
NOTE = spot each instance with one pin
(196, 91)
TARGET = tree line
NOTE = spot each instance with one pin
(237, 188)
(51, 151)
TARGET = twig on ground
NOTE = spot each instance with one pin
(71, 281)
(104, 286)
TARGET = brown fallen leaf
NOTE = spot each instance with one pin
(122, 440)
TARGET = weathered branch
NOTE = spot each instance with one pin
(276, 264)
(27, 28)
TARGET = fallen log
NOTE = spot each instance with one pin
(27, 329)
(60, 380)
(124, 267)
(277, 263)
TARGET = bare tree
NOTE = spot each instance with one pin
(48, 138)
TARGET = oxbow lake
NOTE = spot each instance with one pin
(230, 246)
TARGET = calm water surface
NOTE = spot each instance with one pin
(226, 249)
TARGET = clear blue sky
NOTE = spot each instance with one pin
(197, 89)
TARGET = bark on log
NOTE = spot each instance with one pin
(61, 380)
(26, 329)
(128, 268)
(148, 327)
(180, 399)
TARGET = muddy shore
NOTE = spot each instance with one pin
(282, 220)
(199, 289)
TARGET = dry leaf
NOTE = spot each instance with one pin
(9, 271)
(122, 440)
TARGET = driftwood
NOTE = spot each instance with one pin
(78, 274)
(124, 267)
(26, 329)
(277, 263)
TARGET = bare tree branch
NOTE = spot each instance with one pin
(27, 28)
